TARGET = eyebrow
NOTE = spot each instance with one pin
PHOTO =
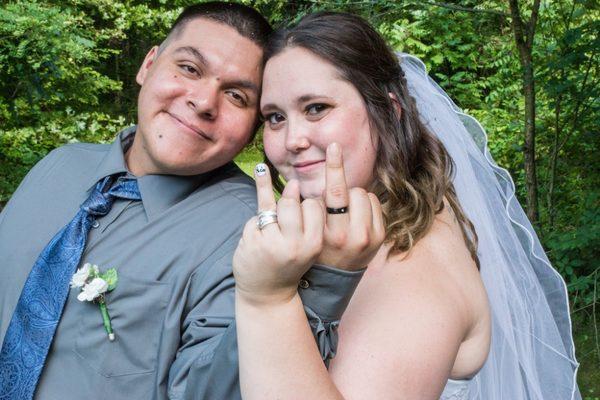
(244, 84)
(302, 99)
(193, 52)
(239, 83)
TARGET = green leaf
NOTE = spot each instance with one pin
(111, 277)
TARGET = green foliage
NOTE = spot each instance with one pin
(48, 66)
(111, 277)
(576, 251)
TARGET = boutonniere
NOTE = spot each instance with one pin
(94, 286)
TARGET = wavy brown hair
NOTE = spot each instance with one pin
(413, 170)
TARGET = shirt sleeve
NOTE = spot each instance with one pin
(42, 166)
(213, 373)
(207, 319)
(325, 293)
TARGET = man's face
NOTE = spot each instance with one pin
(198, 103)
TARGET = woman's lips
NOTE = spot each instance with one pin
(308, 166)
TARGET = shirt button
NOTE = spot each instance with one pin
(303, 284)
(95, 224)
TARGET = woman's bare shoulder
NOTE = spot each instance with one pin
(444, 259)
(411, 317)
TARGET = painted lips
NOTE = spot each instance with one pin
(308, 166)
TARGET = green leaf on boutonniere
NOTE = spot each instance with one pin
(111, 277)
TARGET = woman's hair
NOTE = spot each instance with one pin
(413, 171)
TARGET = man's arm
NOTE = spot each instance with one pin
(212, 365)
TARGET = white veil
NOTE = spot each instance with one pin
(532, 355)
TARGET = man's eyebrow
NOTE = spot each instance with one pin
(193, 52)
(244, 84)
(240, 83)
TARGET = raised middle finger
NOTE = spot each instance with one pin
(336, 191)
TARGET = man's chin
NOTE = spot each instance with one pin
(185, 169)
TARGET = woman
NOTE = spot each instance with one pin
(419, 325)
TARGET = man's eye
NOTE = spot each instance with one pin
(190, 69)
(238, 98)
(315, 109)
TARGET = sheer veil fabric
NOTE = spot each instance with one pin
(532, 355)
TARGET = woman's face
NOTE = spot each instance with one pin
(307, 106)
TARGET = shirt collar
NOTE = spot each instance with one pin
(158, 192)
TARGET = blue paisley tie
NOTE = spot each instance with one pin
(42, 300)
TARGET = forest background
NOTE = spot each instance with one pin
(527, 69)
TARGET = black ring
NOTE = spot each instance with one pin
(341, 210)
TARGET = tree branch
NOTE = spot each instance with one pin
(465, 9)
(532, 23)
(517, 23)
(579, 102)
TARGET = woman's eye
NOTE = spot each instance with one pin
(274, 118)
(315, 109)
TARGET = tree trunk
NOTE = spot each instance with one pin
(524, 33)
(529, 149)
(553, 162)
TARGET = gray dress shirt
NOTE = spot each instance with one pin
(173, 308)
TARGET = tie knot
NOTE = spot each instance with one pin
(100, 201)
(125, 188)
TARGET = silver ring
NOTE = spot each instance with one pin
(265, 218)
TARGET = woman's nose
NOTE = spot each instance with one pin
(297, 137)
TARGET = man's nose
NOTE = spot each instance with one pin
(297, 136)
(204, 100)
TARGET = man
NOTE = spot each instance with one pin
(164, 206)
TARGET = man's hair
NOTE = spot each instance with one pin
(245, 20)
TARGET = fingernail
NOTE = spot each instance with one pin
(260, 169)
(334, 149)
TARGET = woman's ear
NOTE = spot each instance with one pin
(396, 103)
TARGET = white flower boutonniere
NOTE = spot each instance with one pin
(94, 287)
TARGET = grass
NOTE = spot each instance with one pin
(587, 347)
(585, 330)
(248, 159)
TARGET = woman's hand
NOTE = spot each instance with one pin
(350, 239)
(268, 263)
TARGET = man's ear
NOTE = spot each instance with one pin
(396, 103)
(148, 61)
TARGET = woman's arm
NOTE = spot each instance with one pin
(273, 333)
(398, 340)
(409, 328)
(278, 355)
